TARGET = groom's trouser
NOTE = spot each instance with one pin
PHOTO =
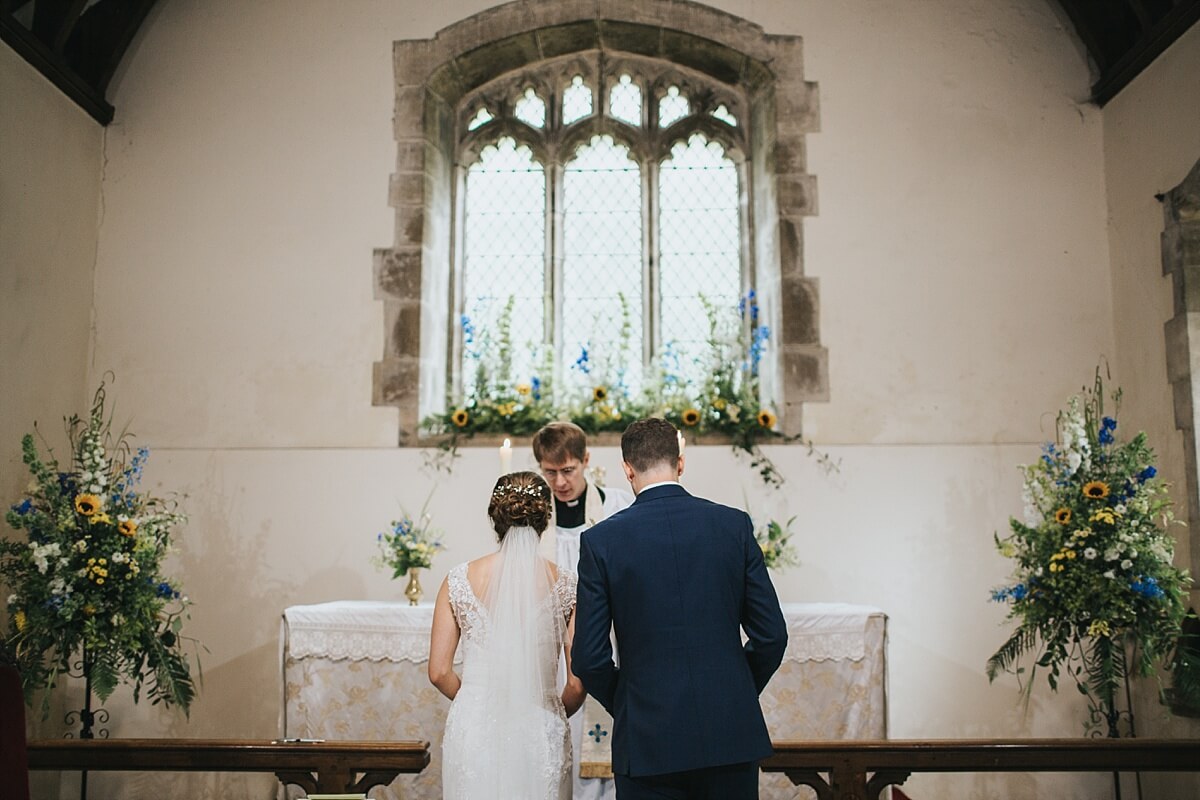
(729, 782)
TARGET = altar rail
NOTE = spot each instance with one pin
(893, 761)
(316, 767)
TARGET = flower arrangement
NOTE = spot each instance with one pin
(410, 543)
(775, 541)
(1094, 589)
(724, 402)
(89, 582)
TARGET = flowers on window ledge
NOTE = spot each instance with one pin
(90, 578)
(724, 402)
(1094, 582)
(410, 543)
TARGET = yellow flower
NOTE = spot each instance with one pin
(1103, 515)
(719, 403)
(20, 620)
(1096, 490)
(766, 419)
(1056, 567)
(1070, 554)
(101, 519)
(1099, 627)
(1062, 516)
(1082, 533)
(88, 504)
(460, 417)
(127, 527)
(506, 409)
(89, 609)
(599, 393)
(524, 389)
(690, 417)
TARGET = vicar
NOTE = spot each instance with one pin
(561, 451)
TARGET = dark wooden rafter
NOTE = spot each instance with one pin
(77, 46)
(1123, 37)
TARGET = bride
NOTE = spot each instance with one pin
(506, 734)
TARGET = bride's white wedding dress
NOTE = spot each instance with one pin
(506, 733)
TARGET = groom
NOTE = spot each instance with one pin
(676, 576)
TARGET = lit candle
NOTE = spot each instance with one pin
(506, 457)
(682, 442)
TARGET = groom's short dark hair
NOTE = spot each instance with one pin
(649, 443)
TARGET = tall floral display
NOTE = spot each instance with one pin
(1094, 590)
(86, 592)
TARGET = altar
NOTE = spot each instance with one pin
(357, 670)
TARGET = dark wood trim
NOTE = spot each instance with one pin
(134, 24)
(892, 761)
(52, 66)
(328, 767)
(1149, 47)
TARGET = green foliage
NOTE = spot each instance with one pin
(88, 581)
(409, 542)
(1094, 589)
(726, 403)
(775, 541)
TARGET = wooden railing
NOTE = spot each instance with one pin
(848, 763)
(316, 767)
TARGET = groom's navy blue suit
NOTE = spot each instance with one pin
(676, 577)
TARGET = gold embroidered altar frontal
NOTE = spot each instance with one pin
(357, 670)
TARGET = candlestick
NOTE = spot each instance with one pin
(506, 457)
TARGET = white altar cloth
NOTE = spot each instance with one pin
(356, 670)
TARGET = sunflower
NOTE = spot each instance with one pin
(20, 620)
(460, 417)
(127, 527)
(599, 394)
(690, 417)
(1062, 516)
(766, 419)
(1096, 490)
(87, 504)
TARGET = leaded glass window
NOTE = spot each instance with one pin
(603, 228)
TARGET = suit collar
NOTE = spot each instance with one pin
(662, 490)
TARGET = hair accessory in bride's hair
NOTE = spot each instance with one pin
(509, 489)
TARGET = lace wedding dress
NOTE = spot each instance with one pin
(506, 733)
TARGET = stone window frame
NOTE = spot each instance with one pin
(413, 278)
(1181, 262)
(555, 144)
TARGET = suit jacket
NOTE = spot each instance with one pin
(676, 576)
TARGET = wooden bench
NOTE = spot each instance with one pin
(316, 767)
(892, 761)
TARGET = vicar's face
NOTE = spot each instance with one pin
(567, 479)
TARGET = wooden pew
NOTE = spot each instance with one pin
(892, 761)
(317, 767)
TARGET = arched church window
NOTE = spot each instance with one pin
(607, 232)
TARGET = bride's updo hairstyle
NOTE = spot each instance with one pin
(520, 499)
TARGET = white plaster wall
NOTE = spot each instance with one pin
(1151, 142)
(50, 154)
(965, 291)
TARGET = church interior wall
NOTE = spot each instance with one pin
(963, 252)
(50, 198)
(1151, 142)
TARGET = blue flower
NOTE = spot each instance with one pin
(1108, 424)
(535, 387)
(164, 590)
(24, 507)
(1147, 587)
(581, 363)
(1106, 436)
(1146, 474)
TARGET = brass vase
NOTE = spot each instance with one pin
(414, 591)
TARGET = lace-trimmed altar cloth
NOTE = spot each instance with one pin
(356, 670)
(387, 631)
